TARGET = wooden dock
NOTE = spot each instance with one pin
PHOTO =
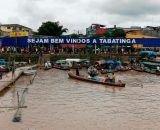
(8, 79)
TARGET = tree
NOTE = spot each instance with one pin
(51, 29)
(118, 33)
(108, 34)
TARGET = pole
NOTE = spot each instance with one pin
(18, 98)
(95, 47)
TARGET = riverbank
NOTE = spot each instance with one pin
(34, 58)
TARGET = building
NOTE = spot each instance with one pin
(5, 29)
(152, 31)
(96, 29)
(133, 28)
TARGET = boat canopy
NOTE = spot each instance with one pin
(101, 62)
(110, 62)
(76, 60)
(148, 53)
(60, 61)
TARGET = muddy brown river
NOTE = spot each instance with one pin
(55, 102)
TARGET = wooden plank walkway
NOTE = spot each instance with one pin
(7, 79)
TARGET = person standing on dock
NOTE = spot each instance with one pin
(13, 70)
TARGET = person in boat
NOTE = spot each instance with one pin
(95, 78)
(111, 77)
(77, 71)
(106, 78)
(92, 71)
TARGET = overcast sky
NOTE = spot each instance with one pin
(79, 14)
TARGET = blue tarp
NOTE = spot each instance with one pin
(148, 53)
(15, 41)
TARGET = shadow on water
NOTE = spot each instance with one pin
(5, 90)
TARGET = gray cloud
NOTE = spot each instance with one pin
(79, 14)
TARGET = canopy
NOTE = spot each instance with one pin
(76, 60)
(148, 53)
(60, 61)
(100, 62)
(110, 62)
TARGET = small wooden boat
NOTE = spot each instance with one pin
(71, 75)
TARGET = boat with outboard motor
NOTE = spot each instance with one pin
(84, 78)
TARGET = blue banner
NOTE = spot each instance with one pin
(81, 40)
(15, 41)
(25, 41)
(146, 42)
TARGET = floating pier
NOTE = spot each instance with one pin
(8, 79)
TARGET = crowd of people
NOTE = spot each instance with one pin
(59, 49)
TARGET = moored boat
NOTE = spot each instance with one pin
(60, 67)
(47, 65)
(146, 70)
(83, 78)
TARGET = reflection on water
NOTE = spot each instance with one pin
(56, 102)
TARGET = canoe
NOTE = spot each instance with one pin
(82, 78)
(60, 67)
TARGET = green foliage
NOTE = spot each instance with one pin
(73, 35)
(108, 34)
(51, 29)
(117, 32)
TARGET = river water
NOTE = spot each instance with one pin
(55, 102)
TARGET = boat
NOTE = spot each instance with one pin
(61, 64)
(146, 70)
(75, 63)
(47, 65)
(60, 67)
(4, 68)
(125, 69)
(137, 69)
(83, 78)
